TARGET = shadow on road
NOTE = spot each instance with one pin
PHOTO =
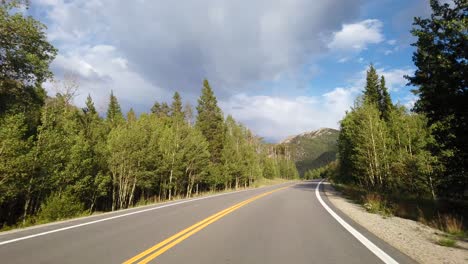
(306, 186)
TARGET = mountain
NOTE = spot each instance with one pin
(312, 149)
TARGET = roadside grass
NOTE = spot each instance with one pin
(446, 242)
(450, 224)
(40, 219)
(265, 182)
(374, 203)
(449, 216)
(35, 220)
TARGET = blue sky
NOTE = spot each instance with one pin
(279, 67)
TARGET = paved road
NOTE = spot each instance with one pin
(277, 224)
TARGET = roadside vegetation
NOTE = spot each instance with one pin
(413, 163)
(59, 161)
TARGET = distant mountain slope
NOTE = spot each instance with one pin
(312, 149)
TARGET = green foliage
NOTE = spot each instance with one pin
(161, 110)
(15, 157)
(25, 55)
(441, 86)
(25, 52)
(60, 206)
(114, 113)
(210, 122)
(446, 242)
(387, 152)
(372, 90)
(385, 102)
(374, 203)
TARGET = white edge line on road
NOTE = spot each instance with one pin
(366, 242)
(117, 216)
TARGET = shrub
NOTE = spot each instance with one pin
(57, 207)
(446, 242)
(375, 204)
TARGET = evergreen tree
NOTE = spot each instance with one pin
(210, 122)
(156, 108)
(114, 113)
(161, 110)
(176, 107)
(90, 108)
(440, 78)
(371, 91)
(385, 102)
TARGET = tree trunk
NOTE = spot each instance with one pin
(114, 202)
(376, 162)
(132, 193)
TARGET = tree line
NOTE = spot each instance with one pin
(387, 148)
(58, 160)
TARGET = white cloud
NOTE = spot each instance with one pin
(175, 45)
(409, 101)
(357, 36)
(100, 69)
(394, 78)
(144, 50)
(391, 42)
(343, 60)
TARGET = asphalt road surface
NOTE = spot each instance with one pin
(286, 223)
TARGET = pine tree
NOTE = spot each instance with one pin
(441, 60)
(210, 122)
(90, 108)
(371, 91)
(176, 106)
(156, 108)
(385, 102)
(114, 113)
(161, 110)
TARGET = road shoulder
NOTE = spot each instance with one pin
(412, 238)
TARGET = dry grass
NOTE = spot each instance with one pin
(449, 224)
(374, 203)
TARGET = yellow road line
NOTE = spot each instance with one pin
(167, 240)
(184, 234)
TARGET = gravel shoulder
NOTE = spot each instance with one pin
(410, 237)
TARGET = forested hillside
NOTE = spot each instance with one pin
(314, 149)
(58, 160)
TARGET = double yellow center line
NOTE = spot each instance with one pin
(163, 246)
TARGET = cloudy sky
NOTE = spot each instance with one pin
(279, 67)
